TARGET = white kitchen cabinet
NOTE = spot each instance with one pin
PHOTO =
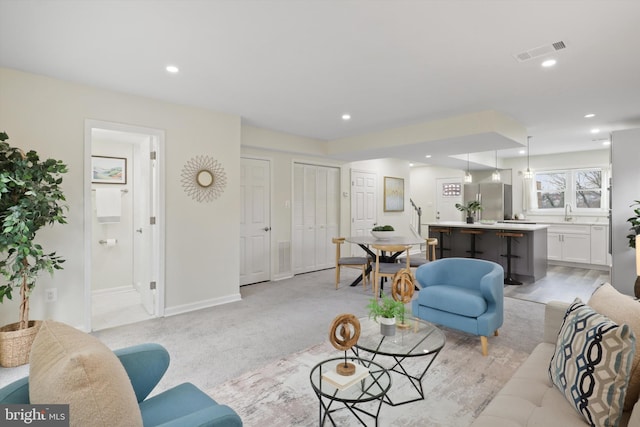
(600, 244)
(571, 243)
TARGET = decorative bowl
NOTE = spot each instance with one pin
(383, 235)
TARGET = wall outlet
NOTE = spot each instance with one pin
(51, 294)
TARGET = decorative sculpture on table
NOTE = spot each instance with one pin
(343, 334)
(402, 290)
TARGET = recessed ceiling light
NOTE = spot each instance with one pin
(346, 116)
(428, 156)
(172, 69)
(588, 116)
(607, 142)
(595, 130)
(549, 63)
(410, 165)
(522, 152)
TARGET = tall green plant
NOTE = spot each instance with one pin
(635, 224)
(30, 198)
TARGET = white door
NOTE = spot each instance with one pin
(316, 214)
(255, 221)
(327, 215)
(363, 205)
(145, 231)
(449, 192)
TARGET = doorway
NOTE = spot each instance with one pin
(123, 216)
(363, 205)
(449, 192)
(255, 221)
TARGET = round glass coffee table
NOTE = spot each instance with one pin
(358, 397)
(408, 355)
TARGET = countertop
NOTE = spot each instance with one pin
(493, 226)
(560, 222)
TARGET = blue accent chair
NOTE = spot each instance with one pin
(462, 293)
(182, 406)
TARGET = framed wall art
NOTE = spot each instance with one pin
(108, 170)
(393, 194)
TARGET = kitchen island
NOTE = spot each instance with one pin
(530, 251)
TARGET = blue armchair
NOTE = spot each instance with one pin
(182, 406)
(462, 293)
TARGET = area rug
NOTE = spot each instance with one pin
(459, 384)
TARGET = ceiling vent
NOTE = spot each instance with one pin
(540, 51)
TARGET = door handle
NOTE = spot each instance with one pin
(139, 230)
(267, 228)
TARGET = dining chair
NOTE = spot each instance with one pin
(361, 263)
(430, 254)
(383, 269)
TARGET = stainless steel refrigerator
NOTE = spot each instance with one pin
(494, 197)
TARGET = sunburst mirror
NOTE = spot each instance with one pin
(203, 178)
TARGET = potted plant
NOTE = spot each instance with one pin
(386, 310)
(30, 198)
(470, 209)
(382, 231)
(635, 224)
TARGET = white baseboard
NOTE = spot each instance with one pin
(113, 290)
(580, 265)
(186, 308)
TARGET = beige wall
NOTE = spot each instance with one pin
(423, 188)
(201, 263)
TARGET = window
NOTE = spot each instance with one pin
(580, 188)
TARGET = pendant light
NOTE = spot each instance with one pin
(467, 176)
(528, 174)
(495, 176)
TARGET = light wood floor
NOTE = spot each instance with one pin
(560, 284)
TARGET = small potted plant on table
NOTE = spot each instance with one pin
(386, 310)
(382, 232)
(470, 209)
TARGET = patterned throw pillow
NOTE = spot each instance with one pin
(591, 364)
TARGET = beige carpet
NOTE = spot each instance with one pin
(458, 385)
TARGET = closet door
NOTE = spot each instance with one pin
(315, 217)
(298, 216)
(308, 252)
(333, 214)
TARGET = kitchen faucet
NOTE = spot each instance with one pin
(566, 216)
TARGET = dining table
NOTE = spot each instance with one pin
(366, 241)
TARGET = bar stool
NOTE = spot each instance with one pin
(442, 231)
(509, 235)
(432, 243)
(473, 233)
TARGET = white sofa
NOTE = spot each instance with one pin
(529, 397)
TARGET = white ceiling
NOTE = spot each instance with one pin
(297, 66)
